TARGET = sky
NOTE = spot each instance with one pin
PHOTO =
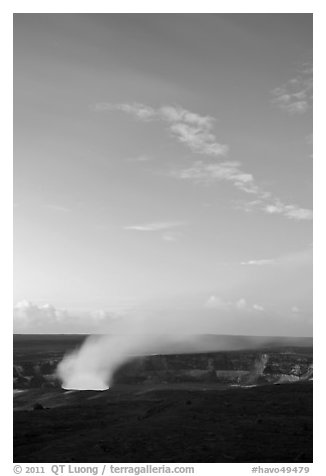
(163, 172)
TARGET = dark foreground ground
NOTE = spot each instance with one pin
(271, 423)
(251, 405)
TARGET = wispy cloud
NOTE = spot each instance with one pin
(290, 211)
(295, 96)
(208, 173)
(274, 206)
(211, 172)
(198, 138)
(258, 262)
(189, 128)
(302, 257)
(139, 111)
(155, 226)
(196, 132)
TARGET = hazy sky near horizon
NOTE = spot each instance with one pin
(163, 168)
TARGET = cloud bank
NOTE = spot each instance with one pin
(218, 303)
(34, 318)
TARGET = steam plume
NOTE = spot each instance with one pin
(93, 365)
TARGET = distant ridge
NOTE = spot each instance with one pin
(169, 344)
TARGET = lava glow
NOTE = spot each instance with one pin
(85, 382)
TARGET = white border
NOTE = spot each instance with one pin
(204, 6)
